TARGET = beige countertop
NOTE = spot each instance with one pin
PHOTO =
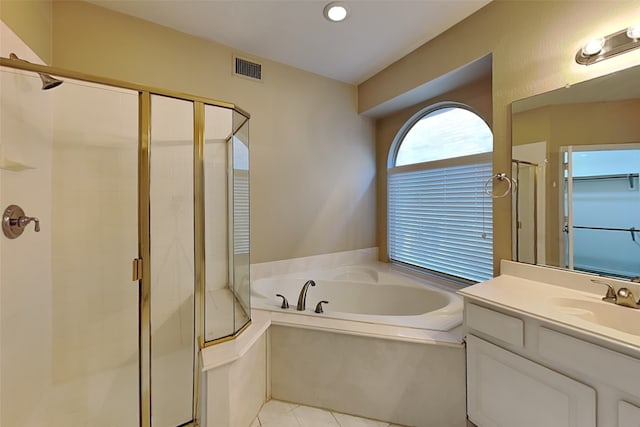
(566, 299)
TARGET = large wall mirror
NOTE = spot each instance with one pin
(576, 160)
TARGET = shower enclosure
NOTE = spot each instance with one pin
(142, 255)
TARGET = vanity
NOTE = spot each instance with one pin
(544, 349)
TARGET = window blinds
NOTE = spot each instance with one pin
(440, 219)
(240, 211)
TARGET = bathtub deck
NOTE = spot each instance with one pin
(406, 383)
(281, 414)
(453, 337)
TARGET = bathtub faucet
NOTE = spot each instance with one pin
(302, 299)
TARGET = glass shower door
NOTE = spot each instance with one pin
(68, 306)
(239, 214)
(226, 223)
(172, 261)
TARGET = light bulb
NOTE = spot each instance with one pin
(593, 47)
(634, 32)
(336, 11)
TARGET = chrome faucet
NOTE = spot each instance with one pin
(623, 297)
(302, 299)
(611, 293)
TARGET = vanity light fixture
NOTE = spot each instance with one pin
(336, 11)
(602, 48)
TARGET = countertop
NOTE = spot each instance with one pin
(567, 299)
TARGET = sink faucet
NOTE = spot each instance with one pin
(623, 297)
(302, 299)
(611, 293)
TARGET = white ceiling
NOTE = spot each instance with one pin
(294, 32)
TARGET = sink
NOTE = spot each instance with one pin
(601, 313)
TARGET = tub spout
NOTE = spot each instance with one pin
(302, 299)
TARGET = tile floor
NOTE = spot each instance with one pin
(281, 414)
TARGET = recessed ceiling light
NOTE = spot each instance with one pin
(336, 11)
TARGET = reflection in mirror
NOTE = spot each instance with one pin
(524, 208)
(576, 158)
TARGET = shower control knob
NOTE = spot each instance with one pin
(24, 220)
(285, 303)
(319, 307)
(14, 221)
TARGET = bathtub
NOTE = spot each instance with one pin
(372, 294)
(388, 346)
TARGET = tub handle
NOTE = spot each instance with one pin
(319, 306)
(285, 303)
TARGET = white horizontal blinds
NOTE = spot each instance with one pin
(440, 219)
(240, 211)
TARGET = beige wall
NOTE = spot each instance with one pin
(312, 155)
(31, 20)
(305, 198)
(476, 95)
(533, 44)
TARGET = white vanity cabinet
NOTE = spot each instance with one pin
(628, 415)
(525, 372)
(509, 390)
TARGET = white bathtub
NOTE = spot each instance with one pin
(371, 293)
(388, 346)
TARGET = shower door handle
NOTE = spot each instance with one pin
(137, 269)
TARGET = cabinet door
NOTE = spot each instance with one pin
(507, 390)
(628, 415)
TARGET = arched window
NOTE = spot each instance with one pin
(439, 215)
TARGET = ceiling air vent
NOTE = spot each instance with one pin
(245, 68)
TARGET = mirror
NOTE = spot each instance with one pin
(576, 160)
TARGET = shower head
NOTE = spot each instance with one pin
(48, 82)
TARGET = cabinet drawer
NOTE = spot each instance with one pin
(628, 415)
(606, 365)
(498, 325)
(507, 390)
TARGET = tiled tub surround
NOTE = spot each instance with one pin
(394, 373)
(296, 265)
(417, 384)
(235, 377)
(391, 368)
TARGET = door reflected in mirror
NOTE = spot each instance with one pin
(576, 159)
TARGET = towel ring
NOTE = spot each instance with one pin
(500, 176)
